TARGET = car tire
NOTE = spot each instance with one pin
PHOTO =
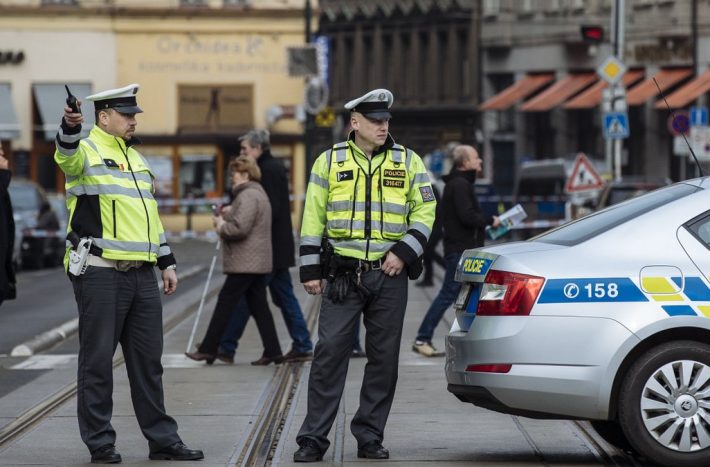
(662, 404)
(612, 433)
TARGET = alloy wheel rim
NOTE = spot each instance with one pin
(675, 405)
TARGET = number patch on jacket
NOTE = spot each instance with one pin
(393, 183)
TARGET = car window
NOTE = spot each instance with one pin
(700, 227)
(599, 222)
(23, 197)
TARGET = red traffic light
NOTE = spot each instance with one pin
(592, 34)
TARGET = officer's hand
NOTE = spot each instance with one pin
(73, 119)
(169, 281)
(392, 266)
(496, 222)
(313, 287)
(3, 162)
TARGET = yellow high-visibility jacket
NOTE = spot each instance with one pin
(109, 196)
(366, 207)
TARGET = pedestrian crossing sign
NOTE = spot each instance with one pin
(616, 125)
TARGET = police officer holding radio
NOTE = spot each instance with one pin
(117, 239)
(372, 200)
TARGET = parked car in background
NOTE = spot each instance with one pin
(540, 190)
(34, 248)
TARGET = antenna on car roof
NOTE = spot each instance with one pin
(700, 168)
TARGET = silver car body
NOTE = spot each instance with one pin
(630, 286)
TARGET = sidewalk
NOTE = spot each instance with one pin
(216, 407)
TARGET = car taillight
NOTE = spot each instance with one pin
(508, 294)
(500, 368)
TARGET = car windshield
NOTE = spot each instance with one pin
(594, 224)
(23, 197)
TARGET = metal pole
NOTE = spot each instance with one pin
(700, 101)
(308, 124)
(618, 22)
(204, 294)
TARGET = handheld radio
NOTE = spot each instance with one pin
(72, 101)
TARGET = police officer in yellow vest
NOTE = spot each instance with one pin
(117, 238)
(368, 214)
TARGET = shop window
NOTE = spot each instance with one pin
(198, 178)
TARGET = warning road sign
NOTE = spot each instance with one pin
(583, 177)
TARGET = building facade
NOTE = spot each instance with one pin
(424, 51)
(209, 71)
(542, 97)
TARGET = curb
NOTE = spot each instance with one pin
(62, 332)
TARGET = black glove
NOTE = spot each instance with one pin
(339, 287)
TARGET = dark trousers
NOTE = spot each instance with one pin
(253, 288)
(120, 307)
(430, 253)
(446, 296)
(281, 288)
(383, 316)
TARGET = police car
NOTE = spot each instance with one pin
(605, 318)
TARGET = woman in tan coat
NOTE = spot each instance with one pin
(245, 230)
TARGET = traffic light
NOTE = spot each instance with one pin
(592, 34)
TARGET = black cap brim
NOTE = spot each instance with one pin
(129, 109)
(379, 115)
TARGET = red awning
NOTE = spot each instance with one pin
(665, 78)
(517, 91)
(559, 92)
(592, 97)
(688, 93)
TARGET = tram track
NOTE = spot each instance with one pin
(46, 407)
(259, 447)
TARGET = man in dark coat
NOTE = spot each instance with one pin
(464, 227)
(7, 234)
(274, 179)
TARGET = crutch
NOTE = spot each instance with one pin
(204, 294)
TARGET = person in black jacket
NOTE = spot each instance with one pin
(274, 179)
(7, 234)
(464, 227)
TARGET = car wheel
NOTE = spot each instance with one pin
(611, 433)
(664, 404)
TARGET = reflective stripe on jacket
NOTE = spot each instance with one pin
(366, 207)
(109, 196)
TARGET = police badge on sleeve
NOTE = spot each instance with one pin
(427, 193)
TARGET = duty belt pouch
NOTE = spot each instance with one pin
(415, 269)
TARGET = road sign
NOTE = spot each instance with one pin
(583, 177)
(611, 70)
(302, 61)
(616, 125)
(698, 116)
(700, 141)
(679, 123)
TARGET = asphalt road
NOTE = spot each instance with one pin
(45, 300)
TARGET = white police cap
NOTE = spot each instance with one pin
(374, 104)
(122, 99)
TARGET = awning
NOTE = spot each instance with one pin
(592, 97)
(666, 78)
(9, 128)
(517, 91)
(688, 93)
(51, 99)
(559, 92)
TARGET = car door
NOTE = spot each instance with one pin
(694, 236)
